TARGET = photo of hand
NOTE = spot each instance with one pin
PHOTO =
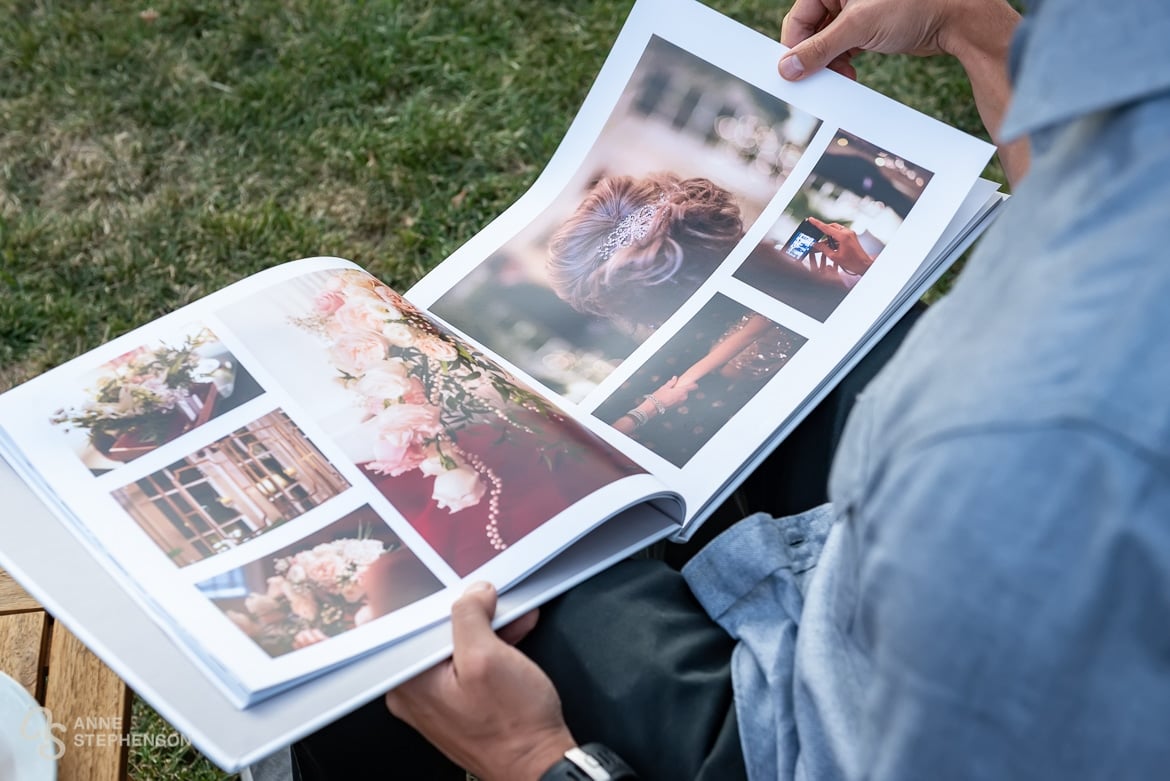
(832, 232)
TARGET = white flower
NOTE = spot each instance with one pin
(399, 334)
(359, 290)
(432, 465)
(365, 314)
(361, 552)
(457, 489)
(385, 380)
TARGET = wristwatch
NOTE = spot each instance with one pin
(591, 762)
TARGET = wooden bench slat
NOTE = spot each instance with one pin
(23, 642)
(80, 684)
(13, 598)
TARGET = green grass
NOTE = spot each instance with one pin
(168, 757)
(150, 157)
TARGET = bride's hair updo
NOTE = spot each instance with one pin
(635, 249)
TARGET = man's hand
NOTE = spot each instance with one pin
(489, 708)
(829, 32)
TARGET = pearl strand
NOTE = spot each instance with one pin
(492, 529)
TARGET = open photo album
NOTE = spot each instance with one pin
(288, 482)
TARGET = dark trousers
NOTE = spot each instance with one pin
(639, 666)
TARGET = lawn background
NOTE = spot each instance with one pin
(150, 154)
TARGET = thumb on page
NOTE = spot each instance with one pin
(471, 625)
(835, 42)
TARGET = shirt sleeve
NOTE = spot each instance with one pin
(1015, 604)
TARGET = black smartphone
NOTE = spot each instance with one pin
(802, 240)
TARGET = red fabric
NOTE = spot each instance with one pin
(531, 495)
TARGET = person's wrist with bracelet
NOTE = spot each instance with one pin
(648, 408)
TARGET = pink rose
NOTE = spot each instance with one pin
(328, 301)
(388, 459)
(390, 297)
(326, 571)
(402, 424)
(301, 603)
(416, 394)
(457, 489)
(395, 460)
(437, 348)
(353, 353)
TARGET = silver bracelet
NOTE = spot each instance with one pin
(659, 407)
(639, 417)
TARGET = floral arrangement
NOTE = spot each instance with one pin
(140, 391)
(417, 388)
(315, 594)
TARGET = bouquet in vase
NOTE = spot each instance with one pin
(149, 394)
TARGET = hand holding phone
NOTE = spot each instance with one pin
(802, 240)
(840, 245)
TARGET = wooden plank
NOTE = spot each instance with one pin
(93, 704)
(23, 641)
(13, 598)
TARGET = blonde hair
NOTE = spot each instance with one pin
(694, 225)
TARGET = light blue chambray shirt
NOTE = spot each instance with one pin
(992, 599)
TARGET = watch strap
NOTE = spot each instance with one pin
(590, 762)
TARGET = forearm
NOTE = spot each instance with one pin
(981, 44)
(723, 352)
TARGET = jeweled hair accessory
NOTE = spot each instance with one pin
(632, 228)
